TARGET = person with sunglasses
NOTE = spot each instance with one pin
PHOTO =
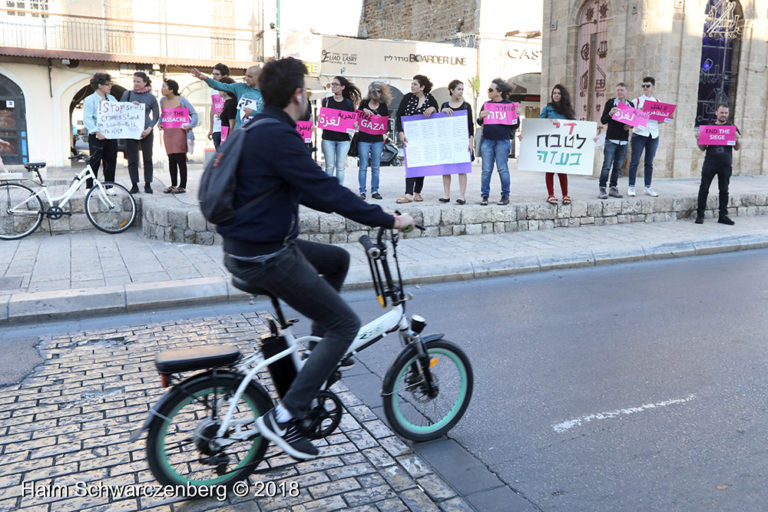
(496, 143)
(369, 146)
(336, 144)
(644, 138)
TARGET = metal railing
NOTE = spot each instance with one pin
(146, 39)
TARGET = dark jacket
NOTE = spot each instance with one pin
(616, 129)
(498, 131)
(275, 158)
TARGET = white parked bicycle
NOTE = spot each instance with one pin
(109, 206)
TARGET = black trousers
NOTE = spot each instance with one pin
(216, 137)
(414, 185)
(178, 160)
(708, 172)
(108, 157)
(132, 147)
(294, 277)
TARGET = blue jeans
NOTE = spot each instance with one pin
(335, 152)
(364, 150)
(494, 151)
(612, 154)
(640, 143)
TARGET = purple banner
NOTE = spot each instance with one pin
(437, 145)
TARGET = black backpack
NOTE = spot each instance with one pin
(219, 180)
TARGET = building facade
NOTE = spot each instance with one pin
(701, 53)
(49, 49)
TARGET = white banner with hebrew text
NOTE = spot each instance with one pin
(557, 145)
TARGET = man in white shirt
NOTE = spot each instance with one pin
(644, 138)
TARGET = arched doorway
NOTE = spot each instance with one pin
(199, 95)
(592, 59)
(720, 53)
(13, 122)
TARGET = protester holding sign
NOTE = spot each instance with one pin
(175, 136)
(616, 141)
(718, 161)
(370, 143)
(418, 101)
(454, 103)
(336, 143)
(228, 115)
(559, 108)
(249, 100)
(644, 138)
(496, 143)
(7, 145)
(97, 142)
(142, 94)
(219, 72)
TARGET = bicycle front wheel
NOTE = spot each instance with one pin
(111, 208)
(413, 410)
(21, 211)
(179, 447)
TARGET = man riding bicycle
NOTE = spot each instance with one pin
(262, 248)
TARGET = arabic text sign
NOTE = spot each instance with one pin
(372, 124)
(557, 145)
(337, 120)
(714, 135)
(658, 111)
(630, 116)
(305, 130)
(175, 117)
(120, 120)
(437, 145)
(501, 113)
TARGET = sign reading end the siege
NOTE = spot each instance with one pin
(120, 120)
(557, 145)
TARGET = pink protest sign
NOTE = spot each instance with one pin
(501, 113)
(175, 117)
(659, 111)
(630, 116)
(218, 102)
(372, 124)
(337, 120)
(717, 135)
(305, 130)
(224, 133)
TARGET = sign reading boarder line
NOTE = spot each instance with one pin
(557, 145)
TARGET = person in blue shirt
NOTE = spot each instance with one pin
(559, 107)
(97, 142)
(249, 99)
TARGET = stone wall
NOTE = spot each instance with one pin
(436, 20)
(187, 225)
(663, 38)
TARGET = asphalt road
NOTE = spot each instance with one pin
(620, 388)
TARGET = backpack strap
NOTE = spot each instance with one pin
(256, 200)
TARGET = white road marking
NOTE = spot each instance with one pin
(566, 425)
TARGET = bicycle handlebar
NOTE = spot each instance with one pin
(370, 248)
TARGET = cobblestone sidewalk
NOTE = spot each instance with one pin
(64, 435)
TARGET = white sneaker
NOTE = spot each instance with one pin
(651, 192)
(631, 192)
(111, 192)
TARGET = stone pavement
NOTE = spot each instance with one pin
(64, 436)
(90, 273)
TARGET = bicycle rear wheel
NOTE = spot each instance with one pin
(111, 208)
(411, 410)
(21, 211)
(179, 451)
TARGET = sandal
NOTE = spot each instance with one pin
(179, 190)
(405, 199)
(445, 199)
(170, 190)
(417, 197)
(566, 199)
(552, 200)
